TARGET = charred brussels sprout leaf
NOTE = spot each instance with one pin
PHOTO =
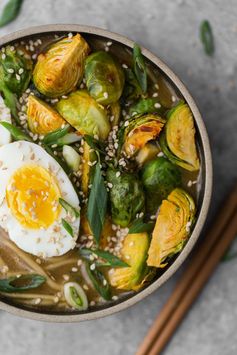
(159, 178)
(126, 197)
(172, 229)
(58, 71)
(42, 118)
(134, 251)
(150, 105)
(84, 114)
(178, 139)
(139, 131)
(16, 71)
(104, 77)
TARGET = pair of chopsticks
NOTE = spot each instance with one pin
(201, 266)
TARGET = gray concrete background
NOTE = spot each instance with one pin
(169, 29)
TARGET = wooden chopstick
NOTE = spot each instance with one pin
(222, 233)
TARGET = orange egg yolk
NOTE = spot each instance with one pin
(32, 195)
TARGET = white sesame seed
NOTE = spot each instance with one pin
(92, 267)
(118, 174)
(126, 123)
(109, 43)
(92, 303)
(155, 94)
(37, 300)
(124, 66)
(189, 184)
(173, 98)
(3, 56)
(115, 298)
(160, 154)
(21, 71)
(85, 287)
(106, 95)
(65, 277)
(74, 269)
(157, 105)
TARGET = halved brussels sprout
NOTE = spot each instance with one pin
(147, 153)
(84, 114)
(126, 196)
(134, 253)
(140, 131)
(172, 229)
(104, 77)
(42, 118)
(178, 138)
(16, 71)
(58, 71)
(159, 178)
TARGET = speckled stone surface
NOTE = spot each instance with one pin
(169, 29)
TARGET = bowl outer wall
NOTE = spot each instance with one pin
(68, 318)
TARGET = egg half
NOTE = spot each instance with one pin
(5, 115)
(31, 184)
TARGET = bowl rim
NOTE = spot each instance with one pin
(69, 318)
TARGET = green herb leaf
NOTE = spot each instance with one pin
(97, 204)
(138, 226)
(13, 284)
(207, 38)
(111, 260)
(67, 227)
(140, 67)
(95, 143)
(10, 11)
(99, 282)
(52, 137)
(16, 132)
(68, 208)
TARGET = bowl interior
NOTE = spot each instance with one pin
(122, 48)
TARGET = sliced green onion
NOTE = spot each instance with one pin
(16, 132)
(52, 137)
(71, 157)
(67, 227)
(68, 208)
(75, 296)
(28, 282)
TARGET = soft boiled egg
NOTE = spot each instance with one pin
(31, 184)
(5, 115)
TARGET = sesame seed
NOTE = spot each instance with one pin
(106, 95)
(70, 35)
(110, 185)
(3, 56)
(160, 154)
(106, 49)
(115, 298)
(85, 287)
(155, 94)
(92, 267)
(74, 269)
(56, 299)
(118, 174)
(79, 262)
(65, 277)
(37, 300)
(189, 184)
(157, 105)
(92, 303)
(20, 71)
(126, 123)
(124, 66)
(109, 43)
(173, 98)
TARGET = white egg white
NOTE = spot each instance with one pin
(5, 115)
(36, 241)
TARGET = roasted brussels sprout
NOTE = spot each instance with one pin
(126, 196)
(41, 117)
(58, 71)
(173, 224)
(147, 153)
(178, 138)
(84, 114)
(159, 178)
(16, 71)
(133, 252)
(104, 77)
(139, 131)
